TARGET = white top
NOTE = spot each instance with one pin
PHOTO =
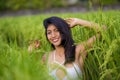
(60, 72)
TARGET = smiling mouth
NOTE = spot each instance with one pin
(55, 40)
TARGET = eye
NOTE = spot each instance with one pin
(56, 30)
(48, 32)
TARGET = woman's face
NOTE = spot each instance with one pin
(53, 35)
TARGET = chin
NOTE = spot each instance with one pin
(57, 44)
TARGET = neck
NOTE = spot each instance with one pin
(59, 50)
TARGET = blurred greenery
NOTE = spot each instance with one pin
(15, 5)
(29, 4)
(16, 63)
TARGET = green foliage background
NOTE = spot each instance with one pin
(29, 4)
(16, 63)
(14, 5)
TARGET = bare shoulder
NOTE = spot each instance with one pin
(47, 56)
(44, 58)
(80, 54)
(50, 57)
(50, 54)
(80, 47)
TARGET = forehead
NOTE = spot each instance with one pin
(51, 26)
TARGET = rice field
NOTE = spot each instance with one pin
(16, 33)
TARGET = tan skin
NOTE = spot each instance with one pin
(80, 51)
(34, 45)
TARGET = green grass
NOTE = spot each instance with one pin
(102, 62)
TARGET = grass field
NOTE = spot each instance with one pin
(103, 60)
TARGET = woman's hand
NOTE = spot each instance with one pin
(34, 45)
(72, 21)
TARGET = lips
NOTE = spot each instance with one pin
(55, 40)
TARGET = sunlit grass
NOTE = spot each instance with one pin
(16, 63)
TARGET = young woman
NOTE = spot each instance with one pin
(66, 61)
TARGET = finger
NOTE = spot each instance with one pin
(69, 21)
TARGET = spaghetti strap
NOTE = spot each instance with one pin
(54, 56)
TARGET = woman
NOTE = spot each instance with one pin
(66, 61)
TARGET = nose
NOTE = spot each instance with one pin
(53, 34)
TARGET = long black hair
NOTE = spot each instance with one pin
(65, 32)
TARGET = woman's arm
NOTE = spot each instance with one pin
(75, 21)
(81, 48)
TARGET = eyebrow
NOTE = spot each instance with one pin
(48, 30)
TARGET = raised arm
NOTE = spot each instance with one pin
(81, 48)
(75, 21)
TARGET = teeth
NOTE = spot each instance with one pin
(55, 40)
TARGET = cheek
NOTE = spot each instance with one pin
(48, 37)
